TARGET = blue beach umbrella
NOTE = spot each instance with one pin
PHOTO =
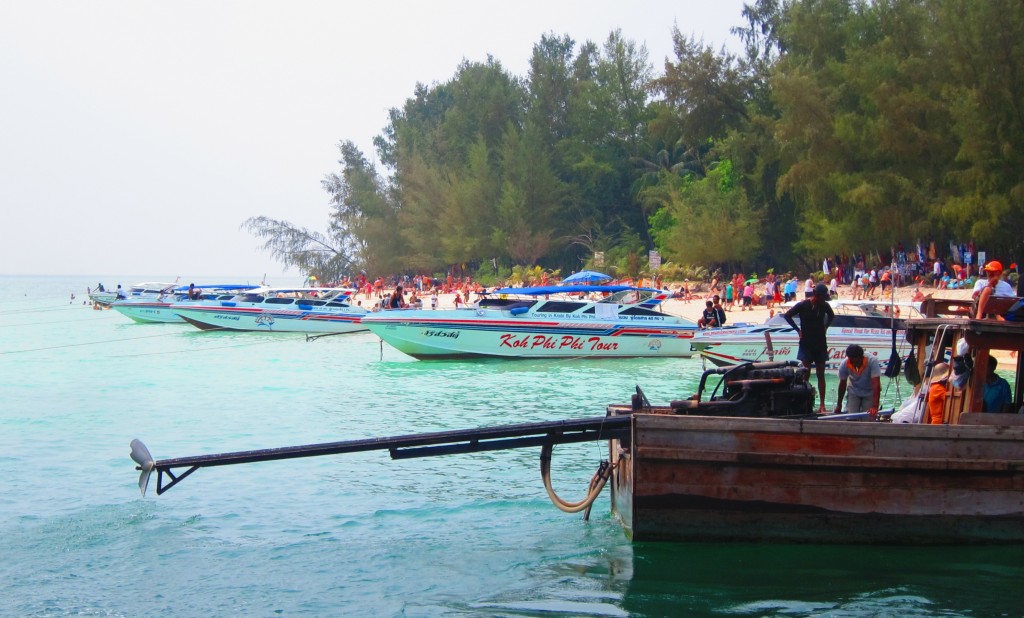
(586, 276)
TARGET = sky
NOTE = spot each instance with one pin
(136, 137)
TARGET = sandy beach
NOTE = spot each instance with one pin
(692, 308)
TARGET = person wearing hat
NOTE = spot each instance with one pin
(937, 394)
(863, 374)
(816, 316)
(994, 286)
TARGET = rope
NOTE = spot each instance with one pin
(597, 483)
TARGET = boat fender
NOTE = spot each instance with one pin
(518, 310)
(227, 303)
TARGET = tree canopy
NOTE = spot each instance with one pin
(845, 126)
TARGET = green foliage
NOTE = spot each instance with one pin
(847, 126)
(671, 271)
(706, 221)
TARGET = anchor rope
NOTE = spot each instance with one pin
(597, 483)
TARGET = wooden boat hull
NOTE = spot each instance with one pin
(699, 478)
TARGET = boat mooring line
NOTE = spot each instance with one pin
(51, 323)
(75, 345)
(219, 347)
(30, 309)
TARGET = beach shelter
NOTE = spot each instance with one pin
(586, 276)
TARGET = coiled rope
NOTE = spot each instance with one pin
(604, 472)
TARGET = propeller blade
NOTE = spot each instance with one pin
(141, 456)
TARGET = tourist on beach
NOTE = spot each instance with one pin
(790, 290)
(809, 288)
(433, 299)
(728, 295)
(863, 375)
(397, 300)
(748, 296)
(816, 316)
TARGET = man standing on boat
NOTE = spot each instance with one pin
(864, 376)
(816, 316)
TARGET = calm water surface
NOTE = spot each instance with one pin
(362, 534)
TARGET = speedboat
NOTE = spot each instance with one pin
(542, 322)
(869, 324)
(149, 289)
(163, 308)
(278, 310)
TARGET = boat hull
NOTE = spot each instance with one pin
(767, 343)
(472, 333)
(699, 478)
(271, 321)
(148, 312)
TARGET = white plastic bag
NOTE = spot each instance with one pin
(911, 411)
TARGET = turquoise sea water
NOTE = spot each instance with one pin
(362, 534)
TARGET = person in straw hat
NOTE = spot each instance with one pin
(937, 394)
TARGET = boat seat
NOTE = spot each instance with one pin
(992, 418)
(1010, 307)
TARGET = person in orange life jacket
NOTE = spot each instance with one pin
(816, 316)
(937, 394)
(863, 375)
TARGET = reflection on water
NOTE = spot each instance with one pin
(362, 534)
(776, 579)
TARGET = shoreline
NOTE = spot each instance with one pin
(692, 309)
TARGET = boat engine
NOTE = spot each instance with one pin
(773, 389)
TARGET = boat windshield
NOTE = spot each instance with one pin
(628, 297)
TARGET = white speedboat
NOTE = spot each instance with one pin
(869, 324)
(149, 289)
(163, 307)
(542, 322)
(278, 310)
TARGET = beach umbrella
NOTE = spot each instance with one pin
(586, 276)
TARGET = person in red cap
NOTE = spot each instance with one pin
(994, 286)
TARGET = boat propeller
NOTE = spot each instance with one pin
(141, 456)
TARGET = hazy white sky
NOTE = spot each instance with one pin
(137, 136)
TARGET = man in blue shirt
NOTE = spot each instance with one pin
(997, 390)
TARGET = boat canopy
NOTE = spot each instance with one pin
(219, 286)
